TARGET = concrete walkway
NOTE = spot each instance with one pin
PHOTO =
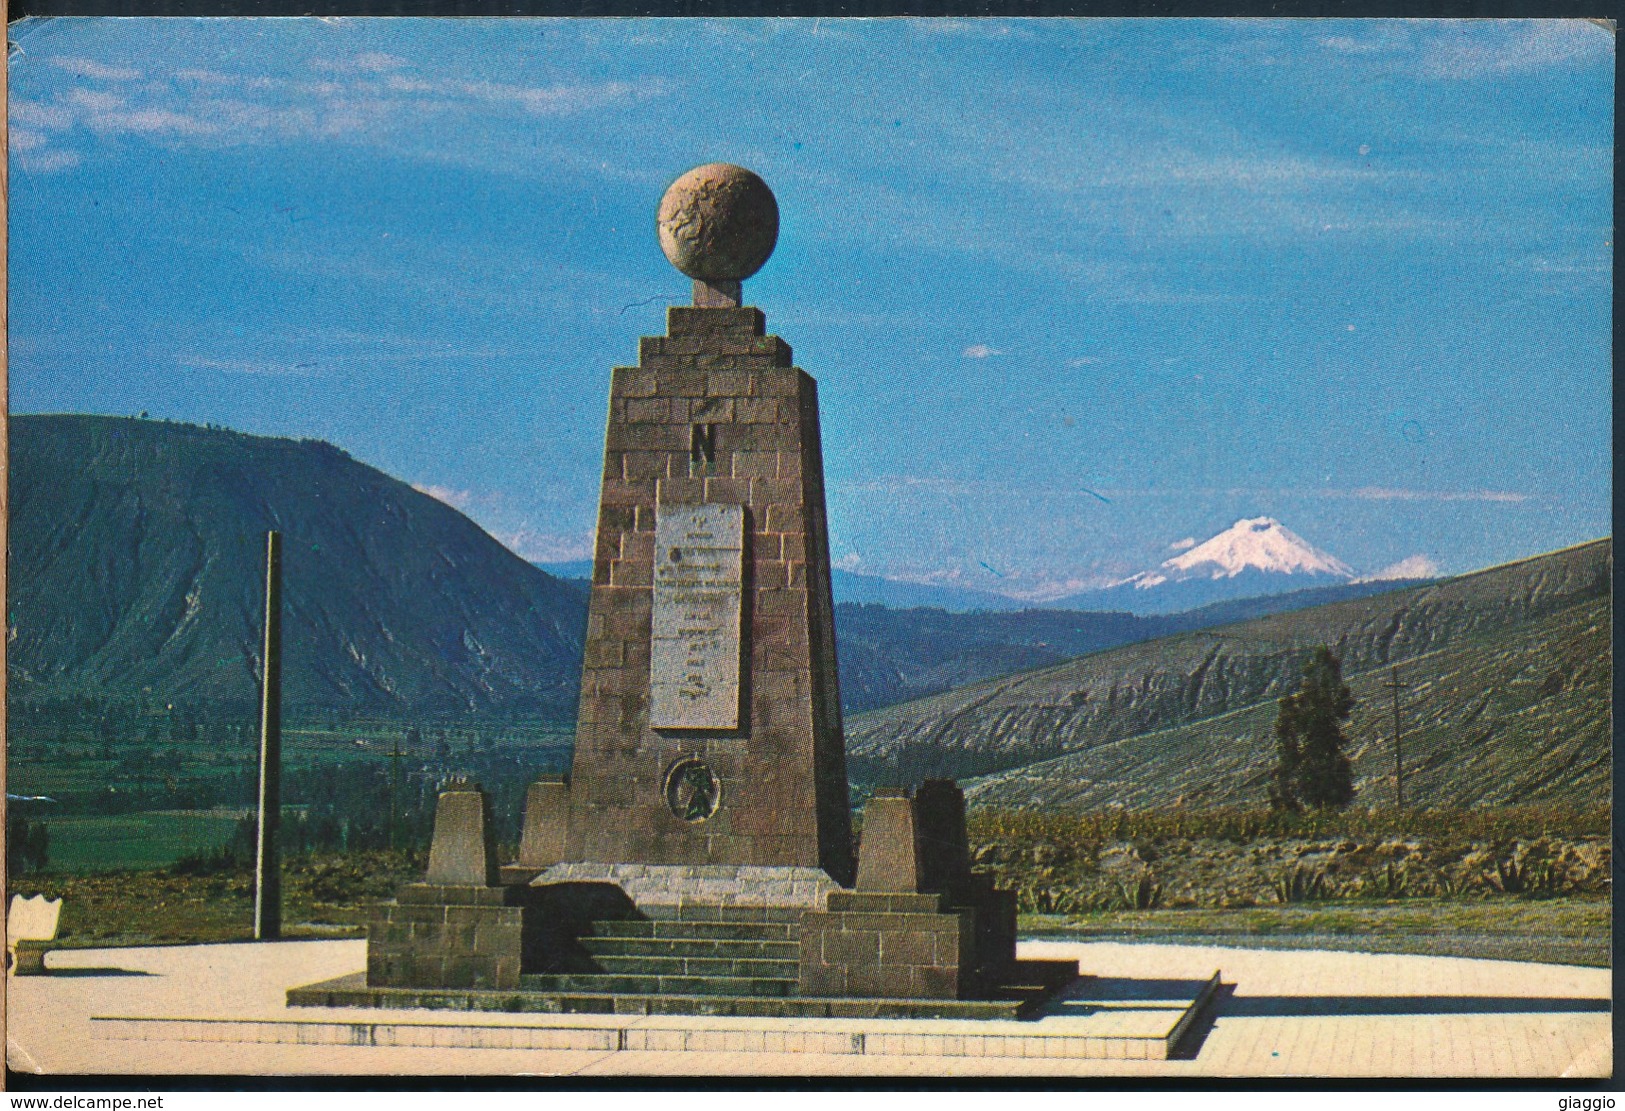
(1279, 1014)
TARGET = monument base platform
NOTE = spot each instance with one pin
(661, 890)
(353, 991)
(1093, 1019)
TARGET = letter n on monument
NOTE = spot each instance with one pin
(710, 727)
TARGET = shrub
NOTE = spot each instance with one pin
(1145, 894)
(1302, 885)
(1390, 883)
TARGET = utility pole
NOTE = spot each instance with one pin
(394, 787)
(1396, 686)
(267, 864)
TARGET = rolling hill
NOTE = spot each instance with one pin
(137, 554)
(1190, 716)
(888, 656)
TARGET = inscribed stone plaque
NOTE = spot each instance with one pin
(698, 595)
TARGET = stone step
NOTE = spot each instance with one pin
(690, 912)
(692, 948)
(669, 965)
(613, 984)
(352, 991)
(795, 1007)
(685, 930)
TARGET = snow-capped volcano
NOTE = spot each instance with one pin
(1253, 558)
(1251, 544)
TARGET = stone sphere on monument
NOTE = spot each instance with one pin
(718, 223)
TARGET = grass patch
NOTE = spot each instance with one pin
(1558, 931)
(326, 895)
(1504, 823)
(1061, 863)
(144, 840)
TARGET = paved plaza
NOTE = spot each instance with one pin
(1277, 1014)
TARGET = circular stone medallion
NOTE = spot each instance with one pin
(692, 791)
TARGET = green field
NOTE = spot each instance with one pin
(144, 795)
(1555, 931)
(150, 839)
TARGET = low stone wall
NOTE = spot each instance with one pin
(886, 946)
(436, 936)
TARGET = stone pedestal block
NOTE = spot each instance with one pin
(544, 831)
(463, 852)
(886, 946)
(456, 929)
(418, 941)
(916, 847)
(888, 856)
(994, 945)
(939, 835)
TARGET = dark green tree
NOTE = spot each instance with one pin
(1310, 768)
(28, 845)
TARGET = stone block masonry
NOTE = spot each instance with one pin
(714, 414)
(886, 946)
(542, 834)
(455, 930)
(438, 937)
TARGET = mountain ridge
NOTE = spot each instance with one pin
(137, 554)
(1019, 720)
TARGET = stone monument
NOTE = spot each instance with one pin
(699, 858)
(710, 723)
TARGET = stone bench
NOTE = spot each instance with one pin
(30, 930)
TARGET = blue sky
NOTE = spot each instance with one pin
(1073, 290)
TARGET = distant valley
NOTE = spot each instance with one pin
(1510, 695)
(136, 577)
(137, 564)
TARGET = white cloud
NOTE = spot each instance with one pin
(546, 547)
(1383, 493)
(31, 113)
(457, 499)
(1182, 545)
(371, 61)
(367, 100)
(49, 161)
(851, 561)
(981, 351)
(149, 121)
(919, 486)
(1525, 47)
(1347, 44)
(85, 67)
(1411, 567)
(538, 100)
(96, 101)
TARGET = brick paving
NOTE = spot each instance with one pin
(1280, 1014)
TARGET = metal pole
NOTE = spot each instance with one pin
(1399, 756)
(267, 865)
(394, 787)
